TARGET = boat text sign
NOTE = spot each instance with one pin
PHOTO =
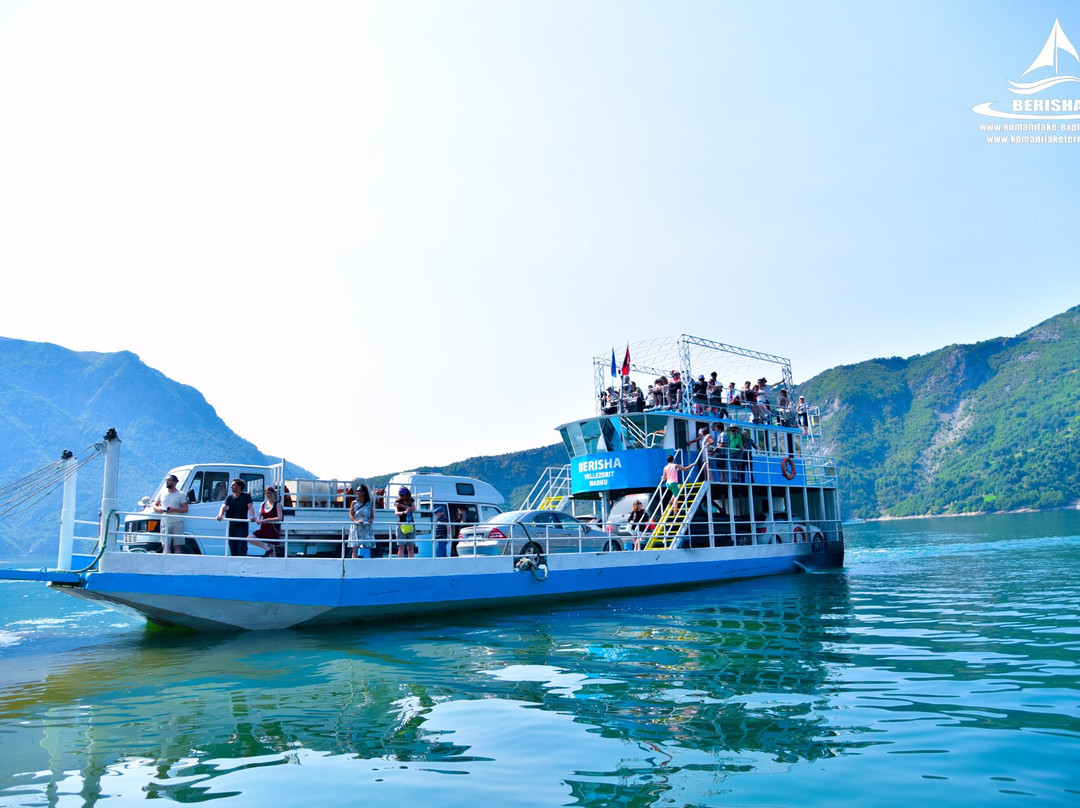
(612, 471)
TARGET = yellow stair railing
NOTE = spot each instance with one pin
(551, 503)
(674, 517)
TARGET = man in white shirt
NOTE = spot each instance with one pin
(172, 501)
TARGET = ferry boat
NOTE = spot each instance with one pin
(762, 501)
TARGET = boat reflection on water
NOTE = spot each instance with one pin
(642, 696)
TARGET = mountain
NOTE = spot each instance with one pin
(53, 399)
(986, 427)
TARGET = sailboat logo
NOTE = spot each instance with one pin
(1050, 56)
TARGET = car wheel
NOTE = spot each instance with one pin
(818, 545)
(613, 546)
(531, 548)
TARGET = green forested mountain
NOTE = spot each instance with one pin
(53, 399)
(984, 427)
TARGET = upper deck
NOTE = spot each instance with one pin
(656, 402)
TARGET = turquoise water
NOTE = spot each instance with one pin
(941, 665)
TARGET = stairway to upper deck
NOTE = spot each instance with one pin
(550, 491)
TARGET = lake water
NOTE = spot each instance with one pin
(941, 666)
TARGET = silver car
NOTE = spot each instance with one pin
(534, 532)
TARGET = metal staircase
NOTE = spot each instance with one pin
(550, 491)
(674, 518)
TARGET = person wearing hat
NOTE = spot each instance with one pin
(802, 414)
(700, 391)
(404, 507)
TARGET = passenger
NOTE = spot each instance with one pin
(719, 452)
(674, 395)
(269, 519)
(441, 543)
(700, 392)
(404, 507)
(732, 394)
(361, 531)
(670, 477)
(239, 510)
(762, 414)
(455, 528)
(802, 415)
(736, 454)
(635, 400)
(783, 408)
(637, 522)
(172, 501)
(661, 390)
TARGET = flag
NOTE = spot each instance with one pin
(626, 362)
(614, 371)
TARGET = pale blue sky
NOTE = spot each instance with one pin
(426, 218)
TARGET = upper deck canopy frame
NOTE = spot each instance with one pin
(691, 356)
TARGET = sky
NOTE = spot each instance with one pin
(383, 234)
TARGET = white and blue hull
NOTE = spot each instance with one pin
(222, 593)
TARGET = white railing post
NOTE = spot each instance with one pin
(67, 512)
(108, 488)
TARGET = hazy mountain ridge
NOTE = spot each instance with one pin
(53, 399)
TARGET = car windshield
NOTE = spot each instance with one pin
(507, 518)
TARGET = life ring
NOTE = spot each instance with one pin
(799, 534)
(787, 468)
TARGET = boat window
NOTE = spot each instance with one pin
(609, 427)
(654, 429)
(465, 489)
(255, 485)
(777, 443)
(215, 486)
(573, 449)
(590, 435)
(797, 439)
(761, 438)
(195, 488)
(633, 431)
(463, 514)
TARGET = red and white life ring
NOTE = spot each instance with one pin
(787, 468)
(799, 534)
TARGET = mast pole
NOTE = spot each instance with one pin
(67, 511)
(108, 488)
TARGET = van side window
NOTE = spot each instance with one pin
(465, 489)
(195, 489)
(215, 486)
(255, 486)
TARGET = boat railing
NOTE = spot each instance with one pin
(298, 538)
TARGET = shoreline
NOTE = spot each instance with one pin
(1072, 507)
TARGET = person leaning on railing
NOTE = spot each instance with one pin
(269, 519)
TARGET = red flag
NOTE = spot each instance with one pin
(626, 362)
